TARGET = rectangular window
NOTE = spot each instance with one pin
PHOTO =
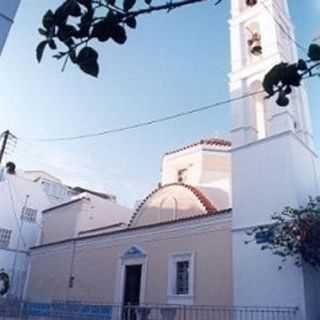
(182, 277)
(29, 215)
(5, 236)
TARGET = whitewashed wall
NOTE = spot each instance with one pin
(15, 192)
(267, 176)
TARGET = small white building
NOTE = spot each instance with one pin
(23, 196)
(87, 214)
(8, 9)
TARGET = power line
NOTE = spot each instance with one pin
(149, 122)
(173, 116)
(300, 46)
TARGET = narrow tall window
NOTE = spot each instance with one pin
(29, 215)
(182, 277)
(5, 236)
(182, 175)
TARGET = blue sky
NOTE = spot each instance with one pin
(170, 63)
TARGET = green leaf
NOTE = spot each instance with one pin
(314, 52)
(88, 61)
(48, 19)
(282, 100)
(86, 22)
(66, 31)
(272, 78)
(128, 4)
(40, 49)
(302, 65)
(72, 8)
(118, 34)
(131, 22)
(148, 2)
(102, 31)
(52, 44)
(86, 3)
(43, 32)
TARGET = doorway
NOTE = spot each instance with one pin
(132, 284)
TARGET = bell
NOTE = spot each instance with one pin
(255, 44)
(251, 3)
(256, 50)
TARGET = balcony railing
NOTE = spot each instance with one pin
(90, 311)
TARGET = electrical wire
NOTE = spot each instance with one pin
(148, 122)
(300, 46)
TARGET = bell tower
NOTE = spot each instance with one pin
(262, 36)
(274, 164)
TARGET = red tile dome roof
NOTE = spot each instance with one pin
(205, 202)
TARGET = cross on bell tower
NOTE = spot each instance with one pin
(262, 36)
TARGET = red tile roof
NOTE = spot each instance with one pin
(206, 203)
(208, 142)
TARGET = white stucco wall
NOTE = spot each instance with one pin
(17, 191)
(208, 167)
(267, 176)
(89, 214)
(98, 213)
(13, 192)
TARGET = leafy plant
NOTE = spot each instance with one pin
(294, 233)
(284, 76)
(76, 23)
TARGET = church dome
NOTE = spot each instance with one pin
(172, 202)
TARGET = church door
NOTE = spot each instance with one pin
(132, 288)
(132, 284)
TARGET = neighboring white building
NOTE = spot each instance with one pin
(8, 9)
(23, 196)
(87, 214)
(55, 190)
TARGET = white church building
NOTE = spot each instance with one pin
(185, 241)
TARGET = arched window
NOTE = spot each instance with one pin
(253, 37)
(168, 208)
(259, 111)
